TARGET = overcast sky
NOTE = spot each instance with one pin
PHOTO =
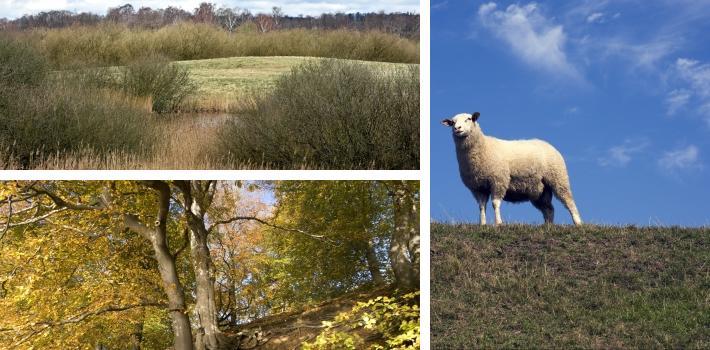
(17, 8)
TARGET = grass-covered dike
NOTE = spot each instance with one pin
(520, 286)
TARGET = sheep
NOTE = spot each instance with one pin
(514, 171)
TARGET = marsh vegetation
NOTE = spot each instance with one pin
(117, 97)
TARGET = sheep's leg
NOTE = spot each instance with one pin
(548, 211)
(496, 210)
(482, 199)
(564, 194)
(544, 204)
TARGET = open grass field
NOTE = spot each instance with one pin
(224, 82)
(522, 286)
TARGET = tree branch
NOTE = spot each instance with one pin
(62, 203)
(266, 223)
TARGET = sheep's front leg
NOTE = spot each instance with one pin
(482, 199)
(496, 210)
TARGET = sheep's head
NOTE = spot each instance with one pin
(463, 124)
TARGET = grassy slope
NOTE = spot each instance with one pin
(593, 287)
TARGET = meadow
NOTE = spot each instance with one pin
(521, 286)
(173, 98)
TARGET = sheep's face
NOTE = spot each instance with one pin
(463, 124)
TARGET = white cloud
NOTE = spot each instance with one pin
(17, 8)
(694, 78)
(439, 5)
(676, 100)
(621, 155)
(696, 74)
(645, 55)
(530, 35)
(596, 17)
(680, 159)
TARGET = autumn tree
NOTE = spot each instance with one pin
(91, 264)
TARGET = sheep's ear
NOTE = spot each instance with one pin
(447, 122)
(475, 116)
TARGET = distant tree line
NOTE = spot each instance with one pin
(403, 24)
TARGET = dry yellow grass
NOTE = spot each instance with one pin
(183, 142)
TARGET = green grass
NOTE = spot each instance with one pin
(247, 75)
(523, 286)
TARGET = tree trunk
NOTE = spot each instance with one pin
(205, 303)
(404, 245)
(197, 198)
(176, 295)
(182, 332)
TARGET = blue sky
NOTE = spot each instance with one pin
(17, 8)
(621, 88)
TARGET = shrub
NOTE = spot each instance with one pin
(41, 116)
(114, 45)
(20, 64)
(165, 83)
(332, 114)
(394, 319)
(47, 121)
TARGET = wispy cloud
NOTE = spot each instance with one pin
(696, 74)
(439, 5)
(693, 77)
(621, 155)
(532, 37)
(676, 100)
(597, 17)
(681, 159)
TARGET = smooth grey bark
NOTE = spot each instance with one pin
(198, 197)
(157, 236)
(404, 244)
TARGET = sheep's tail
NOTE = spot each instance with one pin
(562, 190)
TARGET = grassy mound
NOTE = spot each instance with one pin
(565, 287)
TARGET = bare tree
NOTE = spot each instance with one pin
(276, 14)
(231, 18)
(205, 13)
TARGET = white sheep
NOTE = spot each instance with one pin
(514, 171)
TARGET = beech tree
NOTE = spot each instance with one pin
(96, 263)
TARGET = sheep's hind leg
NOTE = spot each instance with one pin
(565, 196)
(482, 199)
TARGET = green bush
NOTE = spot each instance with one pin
(393, 319)
(48, 121)
(20, 64)
(41, 116)
(165, 83)
(332, 114)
